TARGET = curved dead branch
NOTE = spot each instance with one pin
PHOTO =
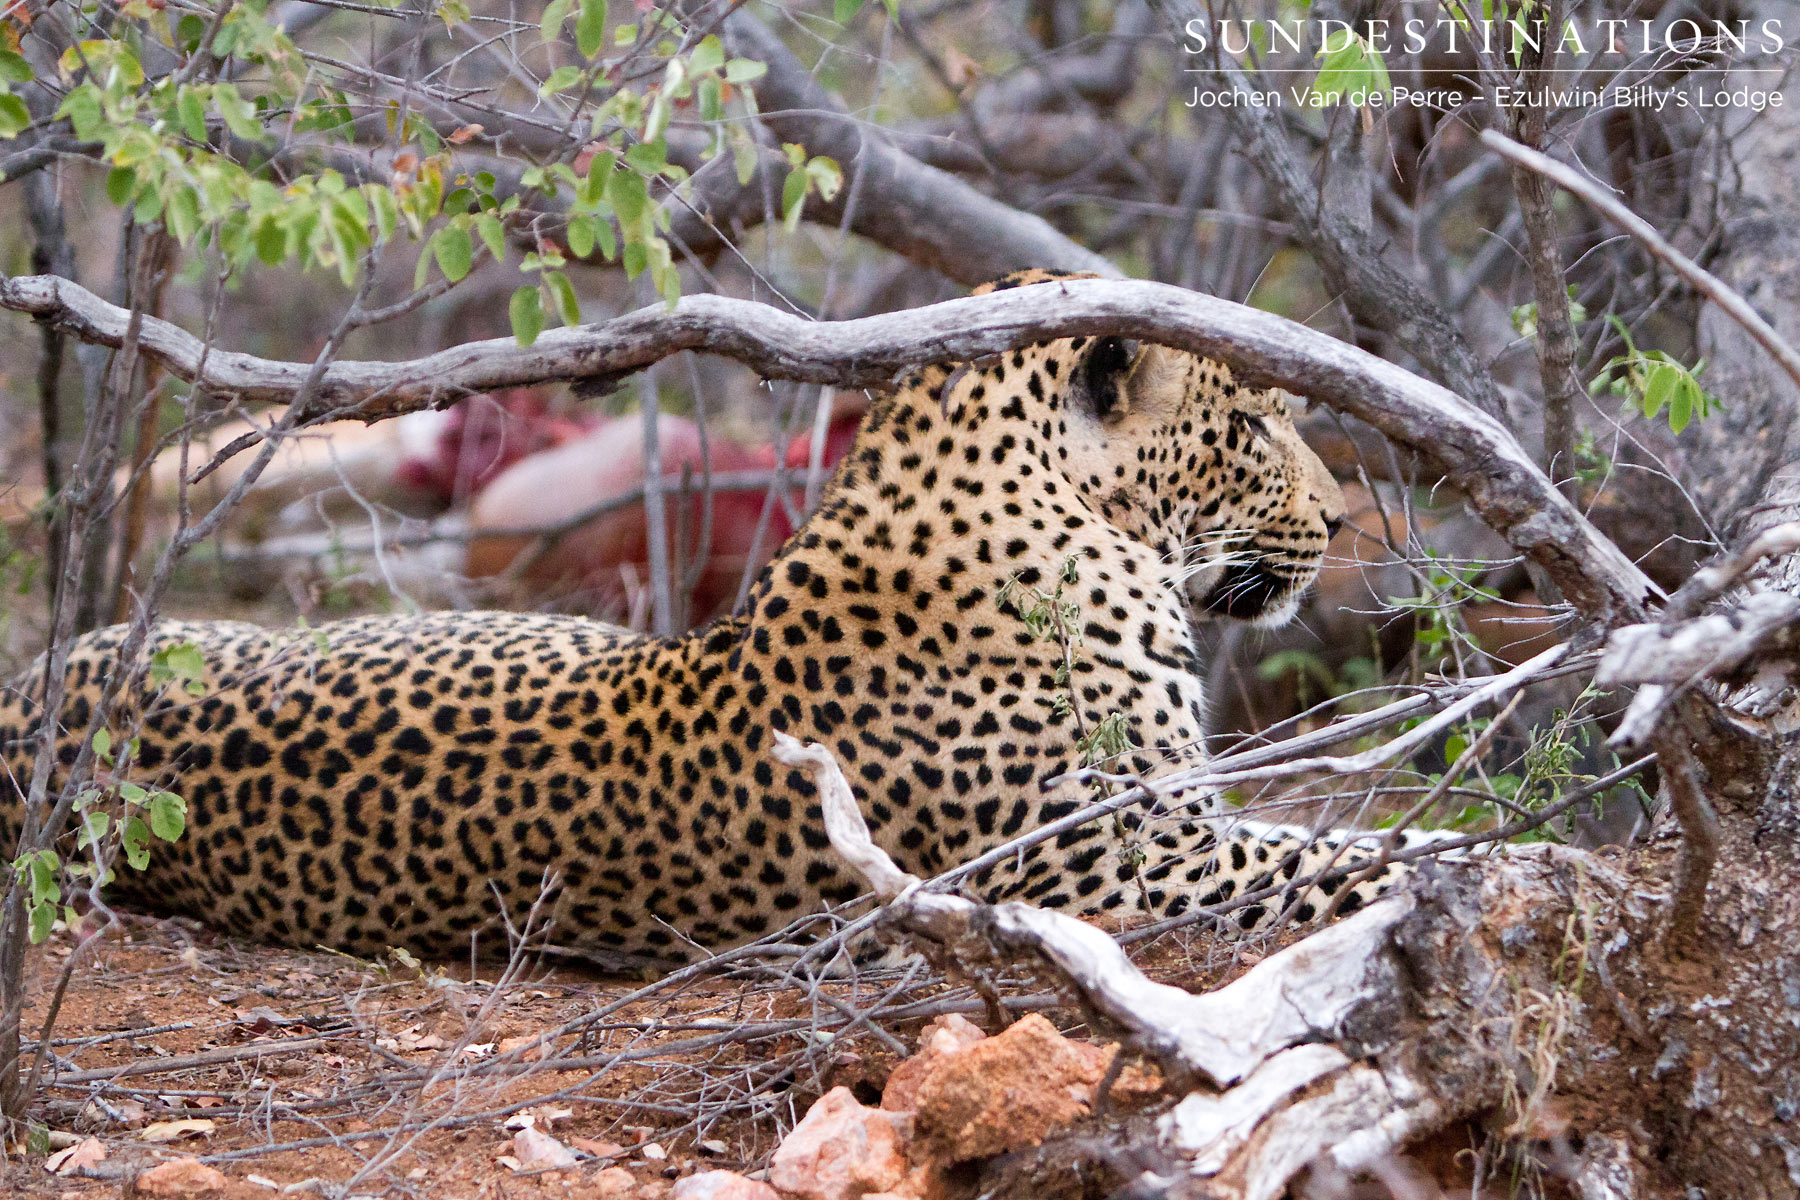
(1477, 453)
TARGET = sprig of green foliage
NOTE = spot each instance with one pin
(113, 815)
(194, 149)
(1651, 381)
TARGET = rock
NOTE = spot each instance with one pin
(182, 1177)
(945, 1036)
(536, 1150)
(1007, 1091)
(614, 1183)
(842, 1151)
(721, 1185)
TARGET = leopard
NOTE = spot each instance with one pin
(430, 781)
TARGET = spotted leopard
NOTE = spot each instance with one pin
(415, 780)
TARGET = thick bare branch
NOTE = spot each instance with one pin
(920, 212)
(1477, 453)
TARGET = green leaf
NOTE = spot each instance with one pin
(44, 874)
(743, 158)
(628, 197)
(82, 107)
(1350, 67)
(422, 268)
(105, 59)
(271, 241)
(580, 232)
(560, 80)
(192, 107)
(168, 816)
(636, 258)
(134, 840)
(826, 177)
(555, 13)
(93, 827)
(1682, 405)
(568, 307)
(454, 13)
(1659, 387)
(743, 70)
(712, 100)
(43, 920)
(709, 55)
(793, 198)
(15, 118)
(120, 183)
(385, 210)
(238, 113)
(603, 232)
(590, 27)
(493, 235)
(454, 251)
(188, 32)
(843, 11)
(183, 214)
(648, 158)
(103, 745)
(526, 311)
(14, 68)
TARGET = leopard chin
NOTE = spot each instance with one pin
(1253, 592)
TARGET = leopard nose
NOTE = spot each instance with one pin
(1332, 525)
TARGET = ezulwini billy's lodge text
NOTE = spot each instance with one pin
(1646, 96)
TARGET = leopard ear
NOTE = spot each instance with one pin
(1103, 374)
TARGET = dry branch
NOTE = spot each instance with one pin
(1332, 1054)
(1477, 453)
(926, 215)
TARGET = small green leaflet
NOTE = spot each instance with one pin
(555, 13)
(1351, 68)
(134, 839)
(526, 312)
(168, 815)
(493, 235)
(182, 662)
(15, 118)
(567, 306)
(590, 27)
(454, 251)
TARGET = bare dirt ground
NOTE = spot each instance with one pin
(297, 1072)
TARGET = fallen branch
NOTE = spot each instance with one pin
(1668, 661)
(1205, 1037)
(1331, 1055)
(1479, 454)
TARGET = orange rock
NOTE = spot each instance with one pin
(182, 1177)
(842, 1151)
(721, 1185)
(614, 1183)
(921, 1183)
(1007, 1091)
(945, 1036)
